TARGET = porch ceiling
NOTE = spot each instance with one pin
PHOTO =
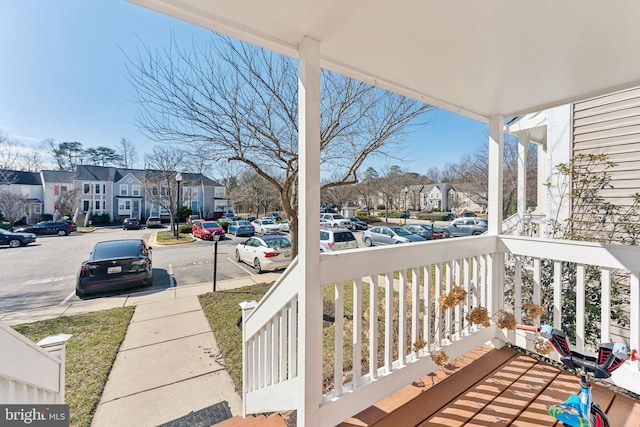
(476, 58)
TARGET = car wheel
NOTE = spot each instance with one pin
(62, 233)
(238, 256)
(15, 243)
(445, 234)
(256, 266)
(476, 233)
(367, 242)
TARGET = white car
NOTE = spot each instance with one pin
(265, 253)
(336, 220)
(284, 225)
(266, 226)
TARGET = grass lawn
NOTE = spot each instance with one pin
(167, 238)
(224, 315)
(90, 354)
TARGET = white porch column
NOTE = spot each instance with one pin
(523, 141)
(495, 261)
(310, 297)
(496, 156)
(542, 189)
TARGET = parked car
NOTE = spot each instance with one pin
(72, 226)
(153, 222)
(131, 224)
(206, 229)
(427, 231)
(15, 240)
(465, 227)
(337, 239)
(274, 215)
(336, 220)
(266, 226)
(61, 228)
(241, 228)
(265, 253)
(358, 224)
(284, 225)
(467, 214)
(229, 217)
(405, 214)
(115, 265)
(388, 235)
(192, 217)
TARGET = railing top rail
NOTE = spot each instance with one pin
(403, 256)
(590, 253)
(275, 286)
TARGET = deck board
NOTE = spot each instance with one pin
(489, 387)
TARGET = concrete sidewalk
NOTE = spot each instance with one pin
(169, 363)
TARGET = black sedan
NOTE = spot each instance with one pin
(358, 224)
(61, 228)
(115, 265)
(15, 240)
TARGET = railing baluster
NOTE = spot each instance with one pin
(275, 351)
(580, 306)
(388, 322)
(426, 290)
(466, 272)
(357, 332)
(557, 294)
(634, 341)
(457, 311)
(536, 287)
(292, 341)
(338, 323)
(438, 311)
(517, 289)
(402, 319)
(373, 327)
(605, 310)
(448, 312)
(415, 307)
(282, 374)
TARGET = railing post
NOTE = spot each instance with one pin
(55, 345)
(247, 308)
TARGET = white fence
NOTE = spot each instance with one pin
(31, 373)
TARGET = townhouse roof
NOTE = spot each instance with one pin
(113, 174)
(57, 176)
(8, 176)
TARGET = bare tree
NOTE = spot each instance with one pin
(390, 186)
(16, 156)
(67, 202)
(13, 205)
(472, 174)
(239, 102)
(127, 152)
(254, 193)
(160, 183)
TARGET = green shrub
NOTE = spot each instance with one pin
(380, 207)
(186, 228)
(100, 219)
(369, 218)
(183, 213)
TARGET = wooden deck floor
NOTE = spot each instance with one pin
(488, 387)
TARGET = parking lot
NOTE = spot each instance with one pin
(43, 274)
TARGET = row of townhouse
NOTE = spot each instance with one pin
(441, 197)
(117, 192)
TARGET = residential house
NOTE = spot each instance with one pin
(54, 185)
(27, 184)
(472, 58)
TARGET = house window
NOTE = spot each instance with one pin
(135, 190)
(219, 192)
(63, 189)
(123, 190)
(164, 191)
(97, 205)
(97, 188)
(85, 205)
(37, 209)
(154, 190)
(87, 188)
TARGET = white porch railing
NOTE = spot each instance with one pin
(31, 373)
(387, 302)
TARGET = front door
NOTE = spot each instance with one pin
(136, 209)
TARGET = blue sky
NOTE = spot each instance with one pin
(63, 76)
